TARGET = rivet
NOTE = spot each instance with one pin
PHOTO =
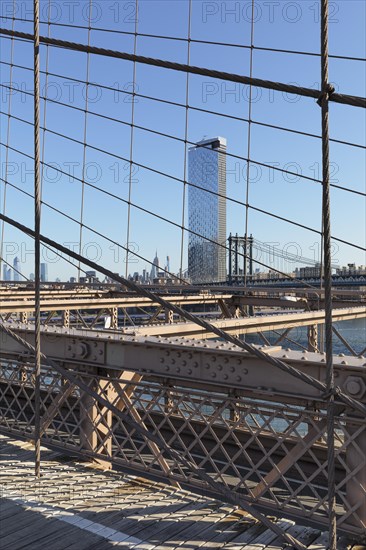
(238, 378)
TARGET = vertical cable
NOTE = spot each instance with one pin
(84, 140)
(37, 248)
(248, 149)
(185, 140)
(321, 327)
(131, 141)
(326, 89)
(45, 97)
(7, 141)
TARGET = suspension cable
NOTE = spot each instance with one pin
(37, 245)
(235, 201)
(176, 138)
(193, 40)
(345, 99)
(177, 104)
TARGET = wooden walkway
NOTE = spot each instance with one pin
(75, 506)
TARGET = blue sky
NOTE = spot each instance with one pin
(278, 24)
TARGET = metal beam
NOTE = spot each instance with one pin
(250, 325)
(210, 362)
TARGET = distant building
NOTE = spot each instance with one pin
(90, 277)
(16, 266)
(44, 272)
(351, 269)
(6, 273)
(207, 211)
(155, 267)
(310, 271)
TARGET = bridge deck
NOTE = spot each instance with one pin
(74, 506)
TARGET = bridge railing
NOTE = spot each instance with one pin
(269, 451)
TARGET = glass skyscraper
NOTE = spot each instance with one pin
(207, 211)
(44, 273)
(16, 270)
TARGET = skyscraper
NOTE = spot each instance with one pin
(155, 267)
(44, 272)
(16, 266)
(207, 211)
(6, 273)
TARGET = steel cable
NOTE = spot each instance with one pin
(144, 292)
(177, 104)
(324, 103)
(37, 244)
(181, 67)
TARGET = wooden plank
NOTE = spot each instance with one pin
(168, 530)
(180, 528)
(321, 543)
(247, 537)
(152, 519)
(32, 531)
(306, 535)
(12, 516)
(197, 535)
(266, 537)
(152, 532)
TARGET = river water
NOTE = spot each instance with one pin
(353, 331)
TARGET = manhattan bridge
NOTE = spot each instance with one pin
(224, 408)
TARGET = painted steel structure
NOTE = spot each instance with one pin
(262, 427)
(254, 432)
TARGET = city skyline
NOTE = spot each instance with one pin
(163, 136)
